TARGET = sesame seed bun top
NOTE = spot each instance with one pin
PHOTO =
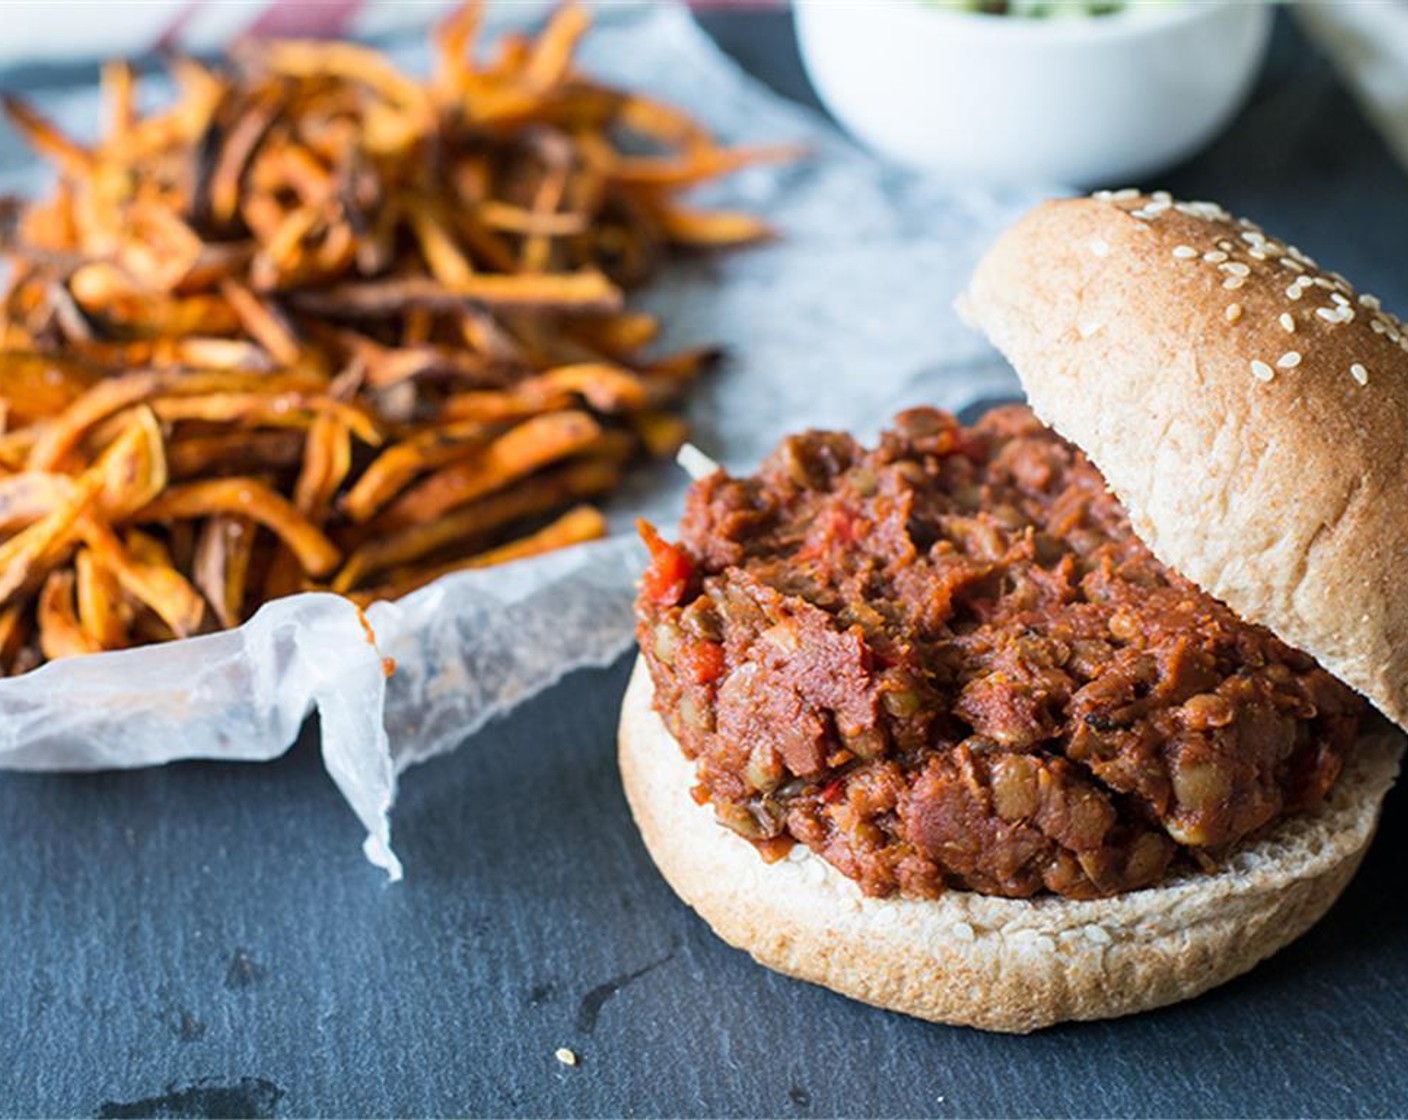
(1248, 408)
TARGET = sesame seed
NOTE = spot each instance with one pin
(1103, 196)
(1336, 297)
(565, 1056)
(1125, 194)
(1289, 360)
(1256, 254)
(1293, 264)
(1100, 248)
(1262, 372)
(1215, 256)
(1378, 326)
(1288, 321)
(1293, 291)
(1162, 197)
(1234, 312)
(1359, 373)
(1323, 282)
(1371, 302)
(1329, 314)
(1227, 245)
(1184, 252)
(1232, 283)
(1253, 236)
(1237, 268)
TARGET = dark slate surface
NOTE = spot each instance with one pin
(206, 940)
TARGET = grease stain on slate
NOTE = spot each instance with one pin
(589, 1010)
(243, 971)
(206, 1099)
(539, 994)
(799, 1097)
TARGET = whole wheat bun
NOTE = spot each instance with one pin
(1251, 412)
(1278, 487)
(997, 963)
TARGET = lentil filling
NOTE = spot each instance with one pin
(948, 662)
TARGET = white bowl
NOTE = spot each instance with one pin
(1086, 101)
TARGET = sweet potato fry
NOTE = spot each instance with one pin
(101, 611)
(41, 135)
(662, 433)
(551, 55)
(61, 436)
(14, 630)
(535, 497)
(247, 497)
(27, 496)
(497, 406)
(221, 566)
(266, 410)
(618, 336)
(576, 526)
(29, 555)
(607, 388)
(447, 263)
(515, 219)
(131, 471)
(391, 471)
(453, 38)
(533, 444)
(585, 291)
(60, 634)
(237, 452)
(696, 165)
(327, 457)
(147, 576)
(698, 229)
(319, 59)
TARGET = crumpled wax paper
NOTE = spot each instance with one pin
(842, 322)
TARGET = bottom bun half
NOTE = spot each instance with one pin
(995, 963)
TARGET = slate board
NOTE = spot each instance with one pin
(206, 940)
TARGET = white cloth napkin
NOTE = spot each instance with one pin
(1368, 42)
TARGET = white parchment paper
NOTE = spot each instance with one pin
(841, 323)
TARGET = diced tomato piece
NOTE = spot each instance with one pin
(702, 661)
(670, 571)
(774, 849)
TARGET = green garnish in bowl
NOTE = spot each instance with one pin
(1036, 9)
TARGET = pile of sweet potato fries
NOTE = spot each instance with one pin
(321, 325)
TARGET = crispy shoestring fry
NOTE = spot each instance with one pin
(60, 633)
(247, 497)
(101, 610)
(320, 323)
(576, 526)
(538, 495)
(534, 444)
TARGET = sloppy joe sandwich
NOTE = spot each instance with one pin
(1070, 713)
